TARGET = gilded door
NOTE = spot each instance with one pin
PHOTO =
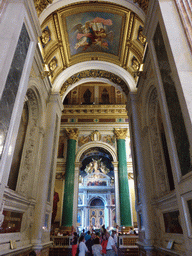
(96, 217)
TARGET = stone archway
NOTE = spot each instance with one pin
(111, 194)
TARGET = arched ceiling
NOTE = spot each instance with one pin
(75, 32)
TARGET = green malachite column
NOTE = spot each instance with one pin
(67, 215)
(125, 207)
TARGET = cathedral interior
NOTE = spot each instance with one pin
(95, 124)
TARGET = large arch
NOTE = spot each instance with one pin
(99, 65)
(92, 144)
(79, 154)
(59, 4)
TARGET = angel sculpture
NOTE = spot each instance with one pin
(93, 33)
(96, 167)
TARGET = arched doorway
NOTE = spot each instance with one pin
(96, 198)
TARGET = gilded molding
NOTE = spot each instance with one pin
(40, 5)
(72, 133)
(143, 4)
(120, 133)
(94, 73)
(104, 110)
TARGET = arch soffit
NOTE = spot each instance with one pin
(97, 197)
(93, 144)
(98, 65)
(61, 3)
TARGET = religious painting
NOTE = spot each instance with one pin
(94, 32)
(172, 222)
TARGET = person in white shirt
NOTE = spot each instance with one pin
(111, 248)
(82, 247)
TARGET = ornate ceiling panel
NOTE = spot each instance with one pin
(92, 31)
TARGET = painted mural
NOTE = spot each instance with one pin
(94, 32)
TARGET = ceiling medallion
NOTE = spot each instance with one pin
(94, 73)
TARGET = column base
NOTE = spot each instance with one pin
(42, 252)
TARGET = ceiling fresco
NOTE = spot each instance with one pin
(92, 31)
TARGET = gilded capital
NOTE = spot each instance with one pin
(72, 133)
(120, 133)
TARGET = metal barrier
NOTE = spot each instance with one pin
(61, 241)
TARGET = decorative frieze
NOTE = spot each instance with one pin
(94, 73)
(106, 110)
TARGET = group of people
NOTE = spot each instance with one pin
(95, 244)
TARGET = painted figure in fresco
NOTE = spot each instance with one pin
(94, 32)
(86, 35)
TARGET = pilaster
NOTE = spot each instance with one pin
(143, 193)
(47, 172)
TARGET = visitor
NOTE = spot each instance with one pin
(104, 244)
(131, 231)
(87, 236)
(74, 244)
(82, 247)
(97, 248)
(111, 248)
(90, 243)
(114, 235)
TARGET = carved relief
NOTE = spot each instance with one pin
(109, 139)
(40, 5)
(53, 64)
(158, 159)
(135, 64)
(141, 37)
(46, 36)
(83, 140)
(95, 136)
(27, 159)
(94, 73)
(143, 4)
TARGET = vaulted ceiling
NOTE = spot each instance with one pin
(91, 30)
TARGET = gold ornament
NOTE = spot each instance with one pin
(45, 36)
(95, 73)
(72, 133)
(95, 136)
(120, 133)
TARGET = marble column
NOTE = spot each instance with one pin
(142, 182)
(125, 206)
(67, 215)
(117, 204)
(76, 194)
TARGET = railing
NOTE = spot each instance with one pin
(124, 241)
(61, 241)
(127, 241)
